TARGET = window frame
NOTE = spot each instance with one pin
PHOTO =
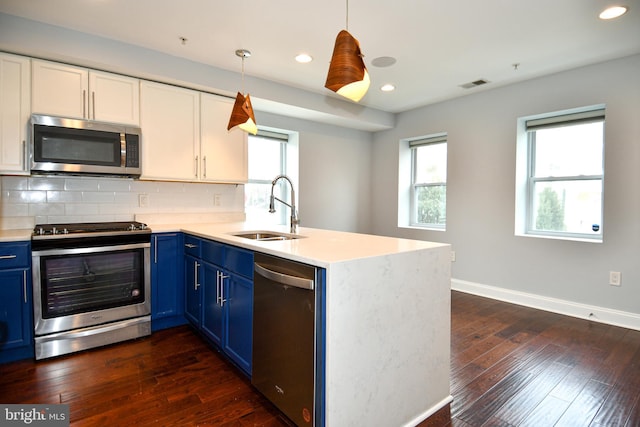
(556, 120)
(414, 145)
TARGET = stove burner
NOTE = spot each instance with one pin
(89, 228)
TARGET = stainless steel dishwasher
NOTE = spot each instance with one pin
(284, 309)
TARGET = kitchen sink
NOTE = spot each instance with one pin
(266, 235)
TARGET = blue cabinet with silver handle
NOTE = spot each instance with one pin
(16, 324)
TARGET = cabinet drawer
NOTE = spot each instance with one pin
(192, 246)
(239, 261)
(213, 252)
(14, 255)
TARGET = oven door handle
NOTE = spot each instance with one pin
(89, 250)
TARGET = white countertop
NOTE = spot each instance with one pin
(315, 246)
(15, 235)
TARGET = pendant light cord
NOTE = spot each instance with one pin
(243, 75)
(347, 14)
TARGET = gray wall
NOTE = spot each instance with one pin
(481, 189)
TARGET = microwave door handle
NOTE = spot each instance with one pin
(123, 150)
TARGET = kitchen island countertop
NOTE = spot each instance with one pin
(388, 314)
(314, 246)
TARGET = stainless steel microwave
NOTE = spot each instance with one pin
(73, 146)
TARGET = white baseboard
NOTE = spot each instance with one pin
(435, 408)
(554, 305)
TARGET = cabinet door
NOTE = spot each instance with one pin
(16, 328)
(167, 281)
(224, 155)
(59, 89)
(15, 108)
(212, 306)
(169, 118)
(114, 98)
(192, 277)
(239, 325)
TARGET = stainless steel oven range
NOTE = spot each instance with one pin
(91, 285)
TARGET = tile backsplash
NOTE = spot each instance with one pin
(33, 200)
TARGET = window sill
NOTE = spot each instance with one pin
(567, 238)
(423, 228)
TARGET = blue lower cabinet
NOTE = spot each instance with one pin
(212, 306)
(16, 303)
(192, 290)
(219, 296)
(167, 281)
(239, 326)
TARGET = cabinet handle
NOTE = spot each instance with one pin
(220, 288)
(93, 104)
(8, 256)
(196, 167)
(190, 245)
(155, 249)
(204, 166)
(84, 103)
(24, 156)
(196, 285)
(24, 284)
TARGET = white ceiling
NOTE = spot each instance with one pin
(438, 45)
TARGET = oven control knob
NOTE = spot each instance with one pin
(40, 231)
(132, 227)
(65, 231)
(54, 230)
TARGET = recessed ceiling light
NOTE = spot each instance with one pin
(613, 12)
(304, 58)
(387, 87)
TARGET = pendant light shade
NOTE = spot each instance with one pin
(242, 114)
(347, 75)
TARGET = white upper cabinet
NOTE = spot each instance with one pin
(114, 98)
(14, 113)
(223, 153)
(169, 119)
(68, 91)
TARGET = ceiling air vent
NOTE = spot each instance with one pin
(474, 84)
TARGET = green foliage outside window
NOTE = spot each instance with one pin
(432, 204)
(550, 216)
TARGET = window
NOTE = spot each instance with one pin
(565, 175)
(429, 181)
(267, 159)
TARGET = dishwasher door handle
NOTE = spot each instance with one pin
(285, 279)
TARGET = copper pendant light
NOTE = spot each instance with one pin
(347, 75)
(242, 114)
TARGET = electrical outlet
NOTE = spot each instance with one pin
(217, 200)
(453, 256)
(614, 278)
(143, 200)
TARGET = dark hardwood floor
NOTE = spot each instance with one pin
(510, 366)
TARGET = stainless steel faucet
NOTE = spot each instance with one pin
(294, 214)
